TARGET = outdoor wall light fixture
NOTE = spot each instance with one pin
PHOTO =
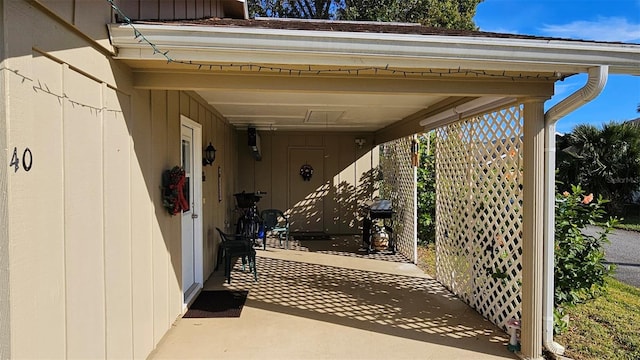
(209, 155)
(360, 142)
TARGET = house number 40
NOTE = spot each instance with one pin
(27, 160)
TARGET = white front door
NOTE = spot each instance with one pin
(191, 217)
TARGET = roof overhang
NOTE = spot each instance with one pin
(374, 80)
(332, 48)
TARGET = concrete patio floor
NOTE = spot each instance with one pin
(314, 305)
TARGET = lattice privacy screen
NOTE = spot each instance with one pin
(399, 185)
(479, 212)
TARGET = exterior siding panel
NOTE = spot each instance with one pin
(5, 310)
(170, 10)
(95, 257)
(173, 226)
(37, 214)
(346, 170)
(117, 227)
(84, 242)
(161, 258)
(141, 219)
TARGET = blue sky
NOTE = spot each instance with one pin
(606, 20)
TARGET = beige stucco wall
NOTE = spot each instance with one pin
(94, 260)
(345, 168)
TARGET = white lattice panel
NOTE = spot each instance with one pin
(479, 211)
(399, 185)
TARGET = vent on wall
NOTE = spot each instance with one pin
(254, 143)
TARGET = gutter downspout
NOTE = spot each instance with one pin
(595, 83)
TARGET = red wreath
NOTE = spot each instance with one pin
(174, 181)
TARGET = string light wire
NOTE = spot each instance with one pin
(43, 88)
(39, 87)
(317, 71)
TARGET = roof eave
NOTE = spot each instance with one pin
(333, 48)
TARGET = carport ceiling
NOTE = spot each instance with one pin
(270, 100)
(289, 110)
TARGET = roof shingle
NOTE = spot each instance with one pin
(354, 26)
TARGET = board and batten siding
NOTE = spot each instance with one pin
(94, 259)
(171, 9)
(347, 170)
(90, 16)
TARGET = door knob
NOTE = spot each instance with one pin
(194, 216)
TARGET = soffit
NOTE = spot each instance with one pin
(284, 110)
(271, 99)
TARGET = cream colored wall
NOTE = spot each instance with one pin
(75, 12)
(216, 213)
(5, 320)
(347, 169)
(94, 258)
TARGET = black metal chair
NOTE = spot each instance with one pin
(275, 222)
(233, 246)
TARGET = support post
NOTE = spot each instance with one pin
(533, 228)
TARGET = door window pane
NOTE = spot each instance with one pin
(186, 156)
(186, 165)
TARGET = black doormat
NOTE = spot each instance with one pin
(311, 236)
(217, 304)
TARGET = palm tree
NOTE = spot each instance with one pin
(603, 161)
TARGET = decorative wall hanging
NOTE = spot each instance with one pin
(306, 171)
(173, 184)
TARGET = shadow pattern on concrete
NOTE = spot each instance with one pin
(343, 245)
(417, 308)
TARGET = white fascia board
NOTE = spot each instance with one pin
(334, 48)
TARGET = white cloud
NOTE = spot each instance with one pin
(567, 86)
(561, 89)
(603, 29)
